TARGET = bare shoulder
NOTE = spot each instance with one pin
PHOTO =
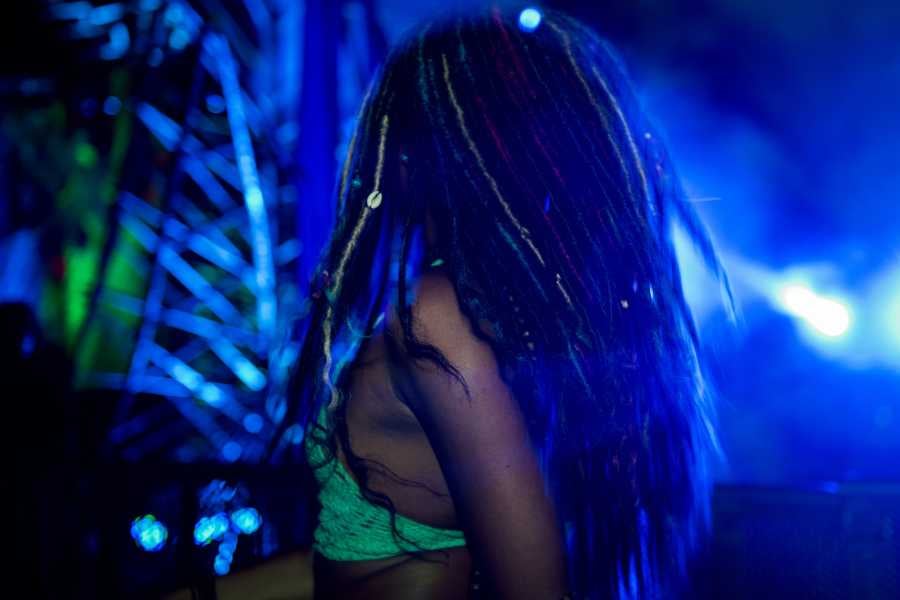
(441, 399)
(436, 305)
(438, 318)
(480, 439)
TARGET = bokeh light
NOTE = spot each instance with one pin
(149, 533)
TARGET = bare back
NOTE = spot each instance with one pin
(402, 465)
(418, 422)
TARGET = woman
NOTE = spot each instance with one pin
(499, 380)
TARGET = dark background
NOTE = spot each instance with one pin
(142, 350)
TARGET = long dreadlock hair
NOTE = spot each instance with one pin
(553, 201)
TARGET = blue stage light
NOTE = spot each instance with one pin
(75, 11)
(215, 103)
(246, 520)
(263, 261)
(239, 364)
(529, 19)
(231, 451)
(211, 394)
(220, 525)
(222, 565)
(826, 315)
(882, 338)
(112, 106)
(106, 14)
(203, 531)
(179, 38)
(253, 423)
(119, 41)
(228, 546)
(211, 528)
(149, 534)
(164, 129)
(294, 434)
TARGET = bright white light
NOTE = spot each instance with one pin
(829, 317)
(529, 19)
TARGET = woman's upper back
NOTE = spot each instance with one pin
(450, 461)
(384, 430)
(382, 425)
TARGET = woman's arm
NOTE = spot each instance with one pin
(485, 453)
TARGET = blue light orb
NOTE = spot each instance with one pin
(203, 531)
(215, 104)
(232, 451)
(529, 19)
(294, 434)
(112, 106)
(253, 423)
(179, 38)
(246, 520)
(220, 525)
(222, 565)
(149, 534)
(228, 545)
(211, 528)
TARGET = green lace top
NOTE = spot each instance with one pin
(352, 528)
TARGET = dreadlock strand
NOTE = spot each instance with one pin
(533, 127)
(348, 251)
(567, 44)
(478, 158)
